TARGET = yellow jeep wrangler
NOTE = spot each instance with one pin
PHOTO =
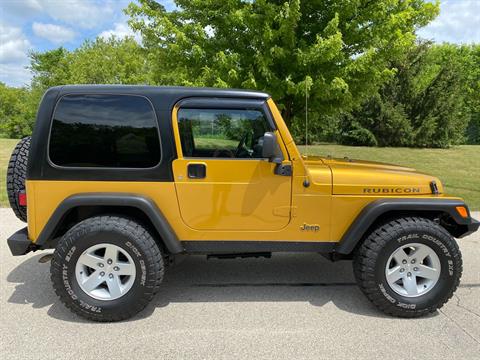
(121, 178)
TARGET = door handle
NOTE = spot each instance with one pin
(196, 171)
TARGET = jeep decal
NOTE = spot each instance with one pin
(307, 227)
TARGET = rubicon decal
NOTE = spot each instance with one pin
(396, 190)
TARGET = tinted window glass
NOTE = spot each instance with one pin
(104, 131)
(222, 133)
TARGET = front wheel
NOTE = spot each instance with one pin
(107, 268)
(408, 267)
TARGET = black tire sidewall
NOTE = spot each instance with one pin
(438, 242)
(16, 176)
(133, 301)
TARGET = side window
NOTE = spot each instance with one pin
(222, 133)
(118, 131)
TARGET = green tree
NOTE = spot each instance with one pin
(50, 68)
(472, 98)
(424, 105)
(17, 112)
(339, 50)
(111, 61)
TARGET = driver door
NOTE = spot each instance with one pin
(222, 181)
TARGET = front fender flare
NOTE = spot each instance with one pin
(373, 210)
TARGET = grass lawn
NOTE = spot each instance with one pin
(458, 168)
(212, 143)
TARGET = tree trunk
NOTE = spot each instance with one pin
(287, 112)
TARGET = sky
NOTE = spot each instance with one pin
(39, 25)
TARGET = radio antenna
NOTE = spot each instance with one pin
(306, 117)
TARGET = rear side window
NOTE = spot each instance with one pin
(115, 131)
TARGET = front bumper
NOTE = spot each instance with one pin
(19, 243)
(472, 226)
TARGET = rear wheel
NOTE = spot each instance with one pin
(107, 268)
(16, 175)
(408, 267)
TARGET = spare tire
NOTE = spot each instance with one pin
(16, 175)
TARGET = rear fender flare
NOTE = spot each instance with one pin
(145, 204)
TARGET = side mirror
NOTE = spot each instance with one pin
(271, 149)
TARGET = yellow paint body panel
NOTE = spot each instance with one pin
(242, 199)
(345, 210)
(47, 196)
(236, 195)
(366, 178)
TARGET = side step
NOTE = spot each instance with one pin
(266, 255)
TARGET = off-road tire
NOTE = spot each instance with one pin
(371, 259)
(122, 232)
(16, 175)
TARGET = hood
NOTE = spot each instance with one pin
(357, 177)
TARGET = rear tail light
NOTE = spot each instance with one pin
(22, 198)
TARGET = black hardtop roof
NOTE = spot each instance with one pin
(163, 99)
(168, 91)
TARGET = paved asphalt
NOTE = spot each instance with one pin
(293, 306)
